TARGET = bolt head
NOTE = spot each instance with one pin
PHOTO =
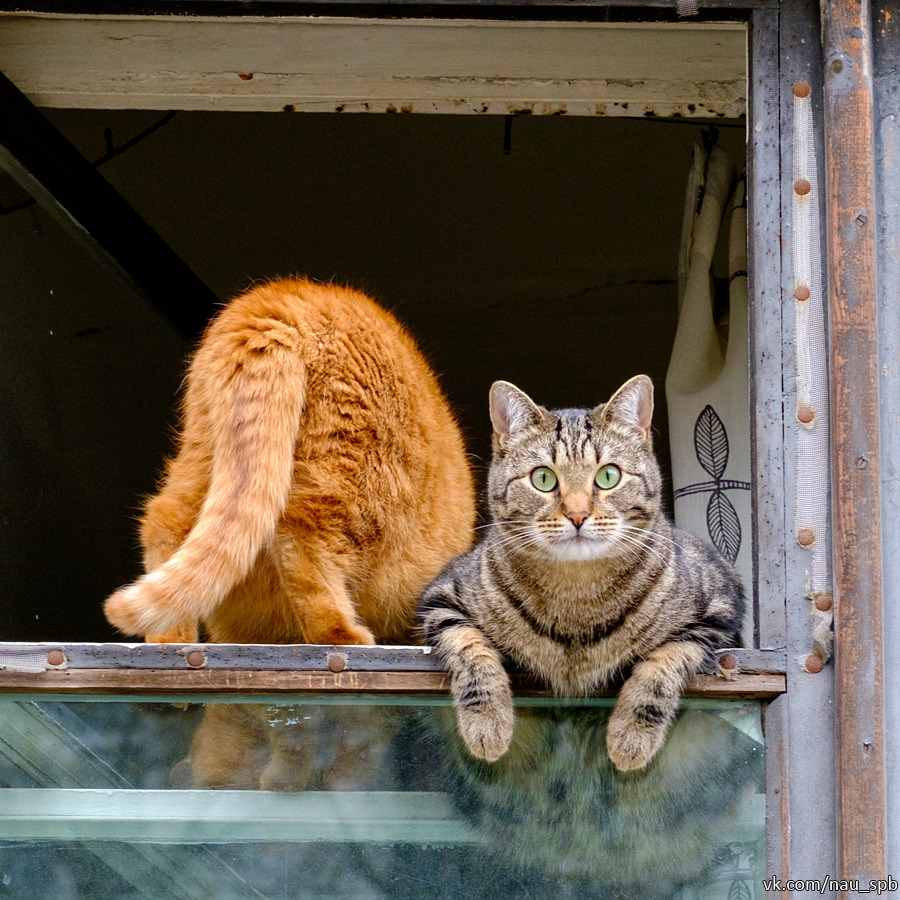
(814, 664)
(806, 415)
(196, 659)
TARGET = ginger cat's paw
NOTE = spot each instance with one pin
(487, 729)
(337, 633)
(632, 741)
(351, 634)
(183, 634)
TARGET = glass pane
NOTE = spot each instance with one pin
(358, 797)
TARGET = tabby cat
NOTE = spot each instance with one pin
(320, 480)
(581, 578)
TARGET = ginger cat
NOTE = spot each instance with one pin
(320, 480)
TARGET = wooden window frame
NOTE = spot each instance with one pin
(783, 41)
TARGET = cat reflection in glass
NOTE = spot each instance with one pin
(581, 578)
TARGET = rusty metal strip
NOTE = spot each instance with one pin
(851, 232)
(41, 657)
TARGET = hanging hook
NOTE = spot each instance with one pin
(507, 135)
(709, 135)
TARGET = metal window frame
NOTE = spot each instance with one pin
(803, 738)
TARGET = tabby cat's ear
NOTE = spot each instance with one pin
(511, 411)
(631, 406)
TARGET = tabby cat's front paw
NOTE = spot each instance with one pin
(487, 729)
(631, 741)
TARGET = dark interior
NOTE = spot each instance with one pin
(539, 250)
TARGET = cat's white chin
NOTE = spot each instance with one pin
(581, 550)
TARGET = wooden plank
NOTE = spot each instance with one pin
(223, 816)
(188, 816)
(209, 817)
(256, 682)
(353, 7)
(329, 64)
(851, 227)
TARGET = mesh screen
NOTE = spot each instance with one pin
(812, 527)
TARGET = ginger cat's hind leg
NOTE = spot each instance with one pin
(185, 634)
(170, 515)
(314, 576)
(165, 523)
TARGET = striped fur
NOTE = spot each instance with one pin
(579, 584)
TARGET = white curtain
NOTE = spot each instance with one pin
(707, 385)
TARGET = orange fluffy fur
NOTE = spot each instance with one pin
(320, 481)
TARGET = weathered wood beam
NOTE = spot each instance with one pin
(273, 683)
(851, 233)
(355, 7)
(404, 65)
(279, 669)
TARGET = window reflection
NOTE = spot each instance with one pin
(347, 797)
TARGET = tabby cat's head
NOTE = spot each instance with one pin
(574, 484)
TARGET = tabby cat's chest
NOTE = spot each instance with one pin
(575, 649)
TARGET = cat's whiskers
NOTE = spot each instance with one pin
(521, 538)
(654, 535)
(495, 524)
(638, 546)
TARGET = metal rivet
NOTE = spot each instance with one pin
(196, 659)
(56, 658)
(824, 602)
(837, 66)
(805, 414)
(801, 293)
(801, 90)
(337, 663)
(728, 661)
(814, 664)
(802, 187)
(806, 537)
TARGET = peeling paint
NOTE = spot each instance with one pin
(480, 106)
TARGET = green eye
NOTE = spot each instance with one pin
(608, 477)
(543, 479)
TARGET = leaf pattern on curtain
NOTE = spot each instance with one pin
(711, 442)
(711, 447)
(724, 525)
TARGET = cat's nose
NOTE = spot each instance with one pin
(577, 518)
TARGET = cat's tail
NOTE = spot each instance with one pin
(246, 394)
